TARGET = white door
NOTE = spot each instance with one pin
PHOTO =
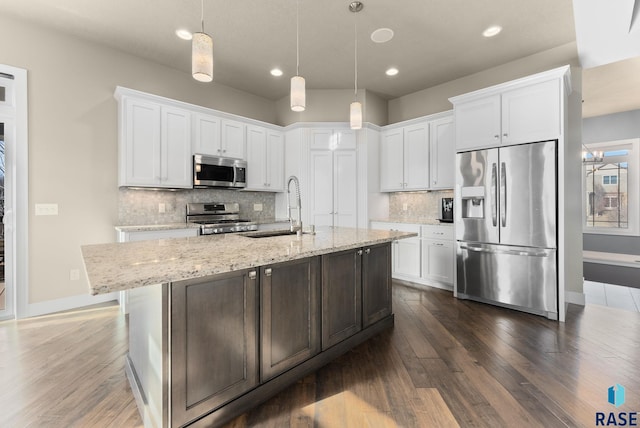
(437, 260)
(477, 123)
(416, 157)
(345, 189)
(406, 257)
(321, 200)
(142, 143)
(275, 161)
(176, 169)
(442, 153)
(256, 158)
(206, 139)
(391, 161)
(233, 139)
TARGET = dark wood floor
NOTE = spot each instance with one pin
(446, 363)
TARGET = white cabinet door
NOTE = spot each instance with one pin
(438, 260)
(531, 113)
(406, 257)
(416, 157)
(320, 139)
(140, 143)
(345, 139)
(442, 153)
(392, 161)
(176, 169)
(206, 135)
(477, 123)
(233, 139)
(321, 185)
(275, 161)
(332, 139)
(345, 200)
(256, 158)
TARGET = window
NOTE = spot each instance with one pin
(610, 183)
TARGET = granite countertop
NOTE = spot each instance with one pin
(413, 220)
(150, 227)
(122, 266)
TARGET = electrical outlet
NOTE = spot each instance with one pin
(46, 209)
(74, 274)
(405, 206)
(257, 207)
(161, 208)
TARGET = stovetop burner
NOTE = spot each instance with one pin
(218, 217)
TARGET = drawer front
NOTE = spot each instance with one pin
(437, 232)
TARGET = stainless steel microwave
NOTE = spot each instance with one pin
(213, 171)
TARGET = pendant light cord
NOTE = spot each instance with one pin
(355, 31)
(297, 37)
(202, 14)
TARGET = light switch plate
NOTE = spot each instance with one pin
(161, 208)
(257, 207)
(74, 274)
(405, 206)
(46, 209)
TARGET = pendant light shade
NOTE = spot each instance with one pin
(298, 93)
(298, 97)
(355, 114)
(202, 53)
(202, 57)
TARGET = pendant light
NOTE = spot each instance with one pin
(298, 97)
(355, 111)
(202, 54)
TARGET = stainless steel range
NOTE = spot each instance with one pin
(218, 217)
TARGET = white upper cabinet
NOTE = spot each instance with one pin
(215, 136)
(154, 145)
(523, 111)
(404, 158)
(265, 159)
(442, 153)
(332, 139)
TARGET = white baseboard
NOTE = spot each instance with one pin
(67, 303)
(574, 297)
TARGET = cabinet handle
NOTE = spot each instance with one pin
(505, 135)
(359, 252)
(224, 151)
(267, 272)
(438, 244)
(218, 150)
(367, 251)
(252, 274)
(496, 136)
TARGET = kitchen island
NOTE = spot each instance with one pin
(218, 324)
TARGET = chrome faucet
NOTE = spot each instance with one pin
(297, 227)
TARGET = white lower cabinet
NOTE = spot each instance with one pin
(427, 259)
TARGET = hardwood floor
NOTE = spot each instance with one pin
(446, 363)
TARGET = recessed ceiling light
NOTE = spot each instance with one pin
(391, 71)
(382, 35)
(276, 72)
(184, 34)
(492, 31)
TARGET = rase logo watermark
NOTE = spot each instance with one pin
(616, 396)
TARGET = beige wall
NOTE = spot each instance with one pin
(73, 141)
(436, 99)
(332, 105)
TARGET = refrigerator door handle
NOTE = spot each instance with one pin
(494, 182)
(503, 194)
(480, 249)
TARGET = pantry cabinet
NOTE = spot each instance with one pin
(523, 113)
(332, 139)
(404, 158)
(265, 159)
(154, 145)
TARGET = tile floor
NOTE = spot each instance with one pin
(614, 296)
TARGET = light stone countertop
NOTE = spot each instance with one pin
(122, 266)
(150, 227)
(413, 220)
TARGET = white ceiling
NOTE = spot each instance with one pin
(435, 41)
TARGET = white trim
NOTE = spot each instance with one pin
(574, 297)
(67, 303)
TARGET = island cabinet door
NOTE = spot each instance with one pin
(214, 340)
(341, 296)
(376, 284)
(290, 315)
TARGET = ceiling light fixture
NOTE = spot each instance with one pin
(355, 111)
(391, 71)
(298, 97)
(382, 35)
(276, 72)
(494, 30)
(202, 54)
(184, 34)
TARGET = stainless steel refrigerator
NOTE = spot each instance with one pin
(506, 214)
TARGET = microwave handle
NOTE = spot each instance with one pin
(235, 175)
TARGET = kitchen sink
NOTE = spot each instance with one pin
(267, 233)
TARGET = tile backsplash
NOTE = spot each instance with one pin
(417, 204)
(141, 206)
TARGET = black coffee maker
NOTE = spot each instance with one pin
(446, 210)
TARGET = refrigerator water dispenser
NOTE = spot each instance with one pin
(472, 201)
